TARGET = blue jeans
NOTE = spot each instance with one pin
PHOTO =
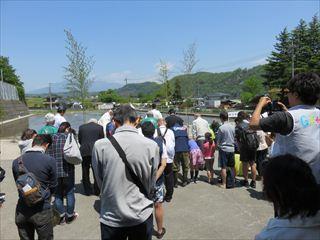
(65, 188)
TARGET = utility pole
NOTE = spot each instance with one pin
(50, 98)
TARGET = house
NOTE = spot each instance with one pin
(214, 100)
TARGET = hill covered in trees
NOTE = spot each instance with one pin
(197, 84)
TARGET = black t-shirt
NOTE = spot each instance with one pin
(278, 122)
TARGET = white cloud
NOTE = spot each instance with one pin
(116, 76)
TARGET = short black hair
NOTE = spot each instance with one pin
(171, 111)
(41, 139)
(207, 135)
(62, 108)
(124, 113)
(290, 185)
(148, 129)
(28, 134)
(307, 86)
(242, 115)
(224, 116)
(153, 105)
(63, 127)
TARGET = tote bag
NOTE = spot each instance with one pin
(71, 151)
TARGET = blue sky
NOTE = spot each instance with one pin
(127, 38)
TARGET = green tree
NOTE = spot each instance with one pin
(109, 96)
(10, 76)
(313, 38)
(251, 87)
(301, 48)
(278, 69)
(177, 95)
(78, 71)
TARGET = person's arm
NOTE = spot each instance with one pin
(96, 166)
(101, 133)
(213, 149)
(255, 119)
(218, 137)
(163, 164)
(80, 136)
(53, 176)
(194, 130)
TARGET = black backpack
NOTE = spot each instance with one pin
(248, 138)
(29, 188)
(162, 136)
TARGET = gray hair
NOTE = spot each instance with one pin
(93, 120)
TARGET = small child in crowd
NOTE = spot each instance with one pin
(196, 159)
(209, 148)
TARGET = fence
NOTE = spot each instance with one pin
(8, 91)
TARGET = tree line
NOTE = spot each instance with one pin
(294, 52)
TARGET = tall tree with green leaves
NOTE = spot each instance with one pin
(301, 48)
(177, 95)
(313, 40)
(251, 87)
(78, 70)
(278, 69)
(164, 77)
(10, 76)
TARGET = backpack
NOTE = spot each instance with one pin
(2, 174)
(248, 138)
(71, 151)
(162, 136)
(29, 188)
(230, 178)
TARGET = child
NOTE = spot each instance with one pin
(196, 159)
(208, 154)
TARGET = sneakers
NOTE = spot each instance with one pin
(62, 220)
(185, 183)
(244, 183)
(72, 218)
(253, 184)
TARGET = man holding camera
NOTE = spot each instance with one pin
(297, 128)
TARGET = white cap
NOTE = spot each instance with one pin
(49, 117)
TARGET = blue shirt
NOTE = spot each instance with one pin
(181, 137)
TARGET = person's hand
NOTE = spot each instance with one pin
(284, 108)
(263, 101)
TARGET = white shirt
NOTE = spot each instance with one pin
(58, 119)
(200, 127)
(262, 140)
(170, 142)
(294, 229)
(104, 120)
(156, 113)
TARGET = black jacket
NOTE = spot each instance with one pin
(44, 168)
(89, 133)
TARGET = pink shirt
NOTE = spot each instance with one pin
(208, 150)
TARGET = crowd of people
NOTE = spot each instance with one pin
(136, 165)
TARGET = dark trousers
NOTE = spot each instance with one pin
(142, 231)
(169, 180)
(41, 222)
(86, 165)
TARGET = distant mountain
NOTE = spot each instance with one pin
(199, 84)
(206, 83)
(134, 89)
(60, 87)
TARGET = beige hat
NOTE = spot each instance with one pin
(49, 117)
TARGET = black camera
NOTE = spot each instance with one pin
(273, 107)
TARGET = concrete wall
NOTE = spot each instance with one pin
(10, 109)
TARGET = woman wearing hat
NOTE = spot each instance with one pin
(49, 127)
